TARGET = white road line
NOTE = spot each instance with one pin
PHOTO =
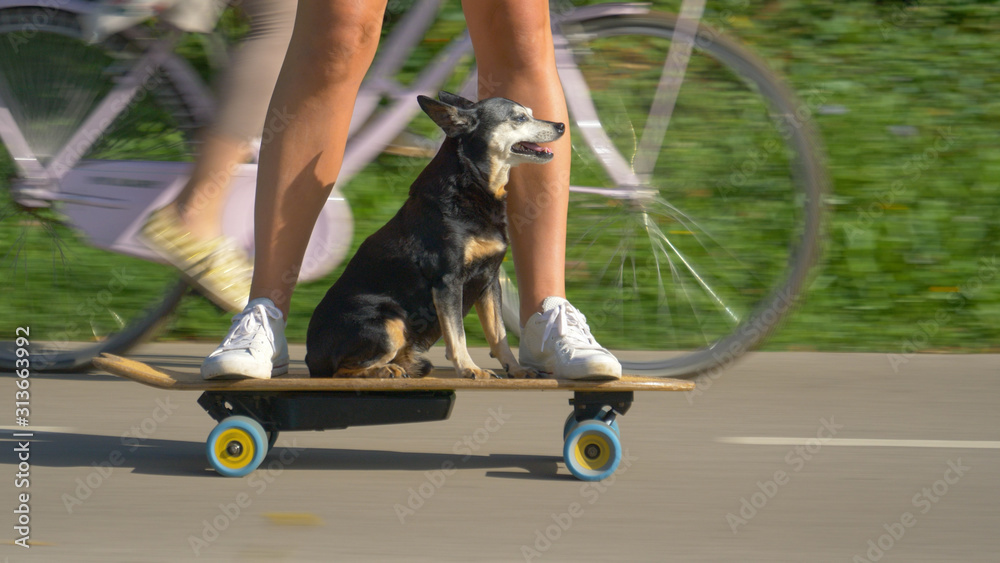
(36, 429)
(858, 442)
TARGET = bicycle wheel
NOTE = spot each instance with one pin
(701, 258)
(78, 301)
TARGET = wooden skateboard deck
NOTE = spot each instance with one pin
(441, 379)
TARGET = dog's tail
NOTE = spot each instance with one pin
(421, 367)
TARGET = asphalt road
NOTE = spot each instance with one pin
(784, 457)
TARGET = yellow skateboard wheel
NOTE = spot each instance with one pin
(236, 446)
(592, 450)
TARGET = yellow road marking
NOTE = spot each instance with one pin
(293, 519)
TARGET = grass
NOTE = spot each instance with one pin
(902, 96)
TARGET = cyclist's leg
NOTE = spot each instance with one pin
(201, 202)
(516, 60)
(187, 232)
(244, 91)
(332, 46)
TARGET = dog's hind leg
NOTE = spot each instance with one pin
(381, 363)
(490, 316)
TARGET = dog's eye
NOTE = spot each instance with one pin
(521, 118)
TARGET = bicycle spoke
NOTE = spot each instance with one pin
(682, 286)
(694, 273)
(119, 98)
(661, 291)
(683, 218)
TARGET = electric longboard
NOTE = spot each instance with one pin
(251, 412)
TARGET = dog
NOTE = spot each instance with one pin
(414, 280)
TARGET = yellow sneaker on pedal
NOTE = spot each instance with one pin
(220, 270)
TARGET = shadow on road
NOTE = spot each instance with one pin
(180, 458)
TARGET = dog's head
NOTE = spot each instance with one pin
(496, 129)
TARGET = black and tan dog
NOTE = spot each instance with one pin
(415, 279)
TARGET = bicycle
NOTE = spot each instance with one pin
(737, 236)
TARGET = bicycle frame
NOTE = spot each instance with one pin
(108, 200)
(112, 214)
(367, 142)
(43, 181)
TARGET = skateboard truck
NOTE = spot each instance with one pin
(592, 440)
(590, 404)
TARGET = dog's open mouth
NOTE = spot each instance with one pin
(531, 149)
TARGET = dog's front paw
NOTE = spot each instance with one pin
(519, 372)
(477, 373)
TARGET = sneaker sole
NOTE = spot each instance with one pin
(275, 371)
(589, 377)
(594, 378)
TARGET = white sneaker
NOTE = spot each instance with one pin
(255, 346)
(558, 341)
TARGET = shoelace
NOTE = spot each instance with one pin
(249, 323)
(564, 317)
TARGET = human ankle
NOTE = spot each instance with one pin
(203, 223)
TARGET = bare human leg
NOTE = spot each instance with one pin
(245, 89)
(200, 204)
(187, 232)
(332, 46)
(333, 43)
(519, 64)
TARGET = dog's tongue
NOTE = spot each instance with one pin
(532, 146)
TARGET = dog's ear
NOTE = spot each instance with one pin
(455, 100)
(455, 121)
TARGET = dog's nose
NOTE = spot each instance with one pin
(560, 128)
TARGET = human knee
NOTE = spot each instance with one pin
(524, 45)
(269, 18)
(342, 46)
